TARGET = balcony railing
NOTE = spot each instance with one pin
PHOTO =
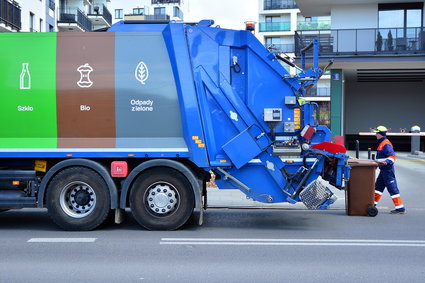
(78, 17)
(385, 41)
(10, 14)
(279, 4)
(314, 25)
(277, 26)
(52, 5)
(320, 91)
(97, 10)
(285, 48)
(147, 17)
(166, 2)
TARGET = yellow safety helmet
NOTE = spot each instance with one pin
(380, 129)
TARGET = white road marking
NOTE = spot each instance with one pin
(292, 242)
(62, 240)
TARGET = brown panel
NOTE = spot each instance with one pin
(86, 90)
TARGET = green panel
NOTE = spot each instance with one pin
(28, 102)
(336, 102)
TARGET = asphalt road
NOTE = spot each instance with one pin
(233, 245)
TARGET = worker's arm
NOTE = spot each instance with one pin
(389, 152)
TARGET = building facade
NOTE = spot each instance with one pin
(148, 9)
(278, 22)
(83, 15)
(378, 76)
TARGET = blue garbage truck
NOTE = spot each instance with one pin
(142, 114)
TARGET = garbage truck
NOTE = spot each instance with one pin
(139, 116)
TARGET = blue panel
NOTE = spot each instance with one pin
(241, 149)
(176, 43)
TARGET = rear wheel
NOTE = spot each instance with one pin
(78, 199)
(162, 199)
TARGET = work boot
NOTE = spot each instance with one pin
(398, 211)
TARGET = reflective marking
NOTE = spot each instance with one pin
(62, 240)
(291, 242)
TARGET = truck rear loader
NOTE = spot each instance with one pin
(140, 116)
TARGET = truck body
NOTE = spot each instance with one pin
(141, 115)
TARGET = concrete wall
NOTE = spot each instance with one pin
(394, 105)
(354, 16)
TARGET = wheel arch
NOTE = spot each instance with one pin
(196, 183)
(90, 164)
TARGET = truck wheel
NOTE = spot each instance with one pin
(162, 199)
(78, 199)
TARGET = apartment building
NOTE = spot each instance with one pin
(83, 15)
(148, 9)
(378, 75)
(278, 22)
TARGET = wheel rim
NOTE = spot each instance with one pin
(162, 198)
(78, 199)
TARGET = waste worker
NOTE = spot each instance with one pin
(386, 157)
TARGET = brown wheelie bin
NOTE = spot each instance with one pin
(359, 197)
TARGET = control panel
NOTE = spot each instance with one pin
(272, 114)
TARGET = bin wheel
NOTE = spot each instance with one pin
(372, 211)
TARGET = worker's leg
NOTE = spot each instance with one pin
(391, 184)
(379, 187)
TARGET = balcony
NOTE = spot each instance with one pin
(319, 25)
(279, 4)
(100, 16)
(73, 21)
(281, 48)
(10, 16)
(166, 2)
(139, 17)
(364, 42)
(320, 92)
(277, 26)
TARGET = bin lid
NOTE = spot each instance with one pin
(353, 162)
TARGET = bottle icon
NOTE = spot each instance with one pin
(25, 79)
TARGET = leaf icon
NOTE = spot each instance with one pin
(142, 72)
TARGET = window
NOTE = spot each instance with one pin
(41, 25)
(31, 22)
(138, 11)
(177, 13)
(159, 11)
(272, 41)
(399, 26)
(51, 29)
(272, 19)
(118, 14)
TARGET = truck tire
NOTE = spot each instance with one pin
(78, 199)
(162, 199)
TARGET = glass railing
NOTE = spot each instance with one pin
(279, 4)
(278, 26)
(10, 14)
(314, 25)
(78, 17)
(285, 48)
(101, 10)
(364, 41)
